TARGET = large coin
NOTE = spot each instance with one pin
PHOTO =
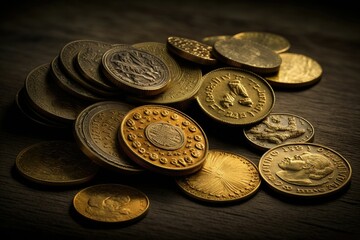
(55, 163)
(304, 170)
(234, 96)
(225, 177)
(164, 140)
(96, 129)
(111, 203)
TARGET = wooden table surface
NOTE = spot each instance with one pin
(33, 32)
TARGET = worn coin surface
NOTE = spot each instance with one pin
(163, 139)
(111, 203)
(296, 70)
(58, 163)
(279, 128)
(304, 170)
(96, 129)
(235, 96)
(225, 177)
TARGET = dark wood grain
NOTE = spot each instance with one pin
(33, 32)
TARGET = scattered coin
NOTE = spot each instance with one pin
(211, 40)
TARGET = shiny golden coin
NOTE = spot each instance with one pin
(296, 70)
(279, 128)
(234, 96)
(135, 71)
(247, 55)
(304, 170)
(273, 41)
(211, 40)
(111, 203)
(225, 177)
(58, 163)
(163, 139)
(96, 129)
(191, 50)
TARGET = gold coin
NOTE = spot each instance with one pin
(211, 40)
(273, 41)
(296, 70)
(135, 71)
(225, 177)
(304, 170)
(247, 55)
(279, 128)
(191, 50)
(58, 163)
(96, 129)
(235, 96)
(111, 203)
(163, 139)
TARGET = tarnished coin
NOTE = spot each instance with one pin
(296, 70)
(273, 41)
(247, 55)
(225, 177)
(191, 50)
(279, 128)
(55, 163)
(96, 129)
(234, 96)
(304, 170)
(211, 40)
(111, 203)
(135, 71)
(163, 139)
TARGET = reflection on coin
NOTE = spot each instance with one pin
(273, 41)
(296, 70)
(225, 177)
(55, 163)
(247, 55)
(135, 71)
(234, 96)
(111, 203)
(279, 128)
(191, 50)
(163, 139)
(96, 129)
(304, 170)
(211, 40)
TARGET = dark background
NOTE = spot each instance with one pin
(33, 32)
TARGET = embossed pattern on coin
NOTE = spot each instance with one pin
(225, 177)
(304, 170)
(111, 203)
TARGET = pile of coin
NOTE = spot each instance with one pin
(124, 104)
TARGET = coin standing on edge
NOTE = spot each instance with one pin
(304, 170)
(225, 177)
(111, 203)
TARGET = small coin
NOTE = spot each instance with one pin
(135, 71)
(273, 41)
(279, 128)
(235, 96)
(96, 129)
(225, 177)
(111, 203)
(296, 70)
(247, 55)
(191, 50)
(58, 163)
(304, 170)
(211, 40)
(163, 139)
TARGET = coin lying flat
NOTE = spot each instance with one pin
(304, 170)
(279, 128)
(296, 70)
(111, 203)
(96, 129)
(163, 139)
(225, 177)
(55, 163)
(211, 40)
(234, 96)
